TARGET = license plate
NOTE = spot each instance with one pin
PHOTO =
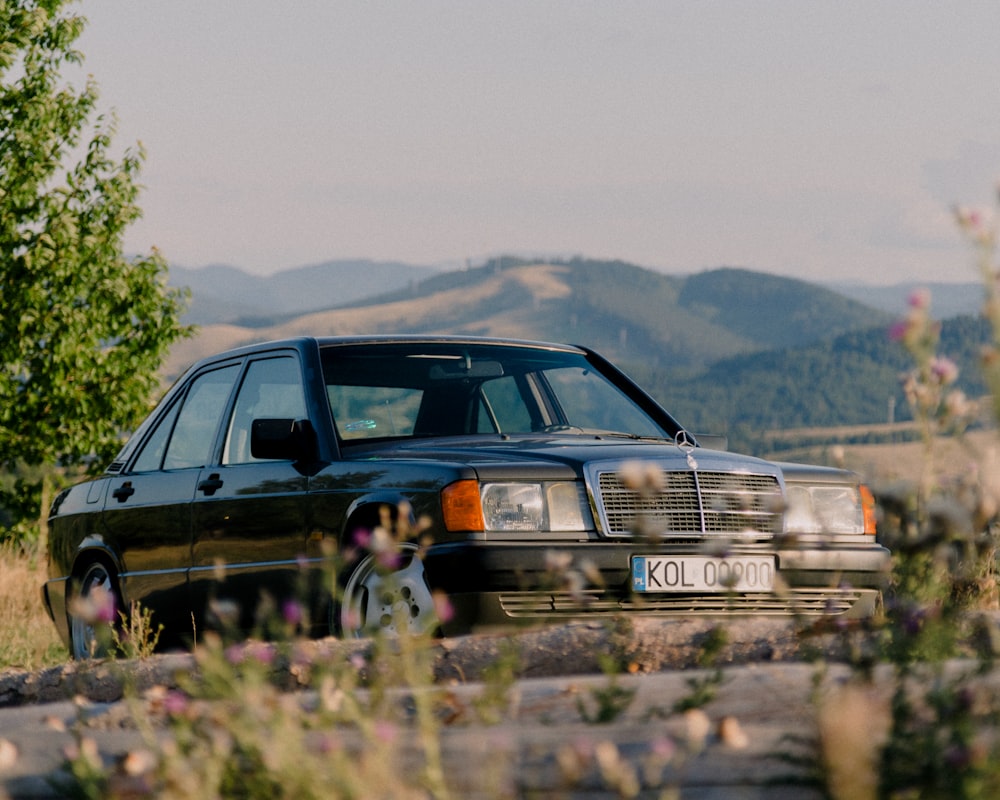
(702, 574)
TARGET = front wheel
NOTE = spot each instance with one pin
(95, 606)
(388, 600)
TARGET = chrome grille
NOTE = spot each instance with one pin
(692, 504)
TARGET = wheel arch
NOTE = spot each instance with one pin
(366, 512)
(87, 554)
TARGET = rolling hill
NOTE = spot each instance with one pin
(630, 313)
(226, 294)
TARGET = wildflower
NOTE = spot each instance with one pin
(573, 760)
(698, 727)
(662, 750)
(292, 613)
(362, 538)
(944, 370)
(54, 723)
(443, 609)
(8, 754)
(326, 744)
(357, 660)
(260, 652)
(898, 330)
(235, 654)
(958, 406)
(96, 606)
(389, 559)
(854, 721)
(386, 732)
(557, 561)
(590, 571)
(138, 762)
(732, 734)
(225, 611)
(105, 605)
(175, 703)
(642, 476)
(575, 584)
(86, 750)
(919, 299)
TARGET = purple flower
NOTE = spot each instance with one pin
(292, 612)
(919, 299)
(261, 652)
(443, 608)
(362, 538)
(898, 330)
(389, 559)
(175, 703)
(944, 369)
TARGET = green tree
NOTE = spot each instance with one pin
(83, 329)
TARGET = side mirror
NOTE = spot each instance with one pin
(283, 439)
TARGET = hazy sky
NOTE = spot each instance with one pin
(822, 140)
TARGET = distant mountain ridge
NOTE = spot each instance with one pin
(225, 294)
(628, 312)
(947, 299)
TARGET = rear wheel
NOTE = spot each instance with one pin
(94, 607)
(388, 600)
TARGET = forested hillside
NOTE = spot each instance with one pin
(847, 380)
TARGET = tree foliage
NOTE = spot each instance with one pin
(83, 329)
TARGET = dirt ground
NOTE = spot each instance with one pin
(732, 746)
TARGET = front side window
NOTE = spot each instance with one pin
(198, 420)
(271, 389)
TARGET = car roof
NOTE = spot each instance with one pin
(302, 342)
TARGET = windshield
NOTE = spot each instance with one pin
(445, 389)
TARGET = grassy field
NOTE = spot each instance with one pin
(28, 638)
(952, 459)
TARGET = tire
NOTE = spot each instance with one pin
(83, 628)
(379, 601)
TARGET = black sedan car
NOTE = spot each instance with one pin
(455, 482)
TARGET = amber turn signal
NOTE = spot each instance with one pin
(461, 506)
(868, 506)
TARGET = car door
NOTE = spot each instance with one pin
(147, 511)
(249, 514)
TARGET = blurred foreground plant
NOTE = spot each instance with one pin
(933, 734)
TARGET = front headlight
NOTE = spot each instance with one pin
(558, 506)
(828, 508)
(551, 506)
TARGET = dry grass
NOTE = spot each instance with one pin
(952, 458)
(28, 639)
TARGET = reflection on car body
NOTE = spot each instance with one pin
(260, 462)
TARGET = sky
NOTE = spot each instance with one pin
(826, 141)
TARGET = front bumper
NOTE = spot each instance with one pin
(500, 582)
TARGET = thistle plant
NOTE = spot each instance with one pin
(929, 734)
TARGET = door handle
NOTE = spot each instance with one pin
(211, 484)
(123, 492)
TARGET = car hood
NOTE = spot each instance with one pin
(488, 454)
